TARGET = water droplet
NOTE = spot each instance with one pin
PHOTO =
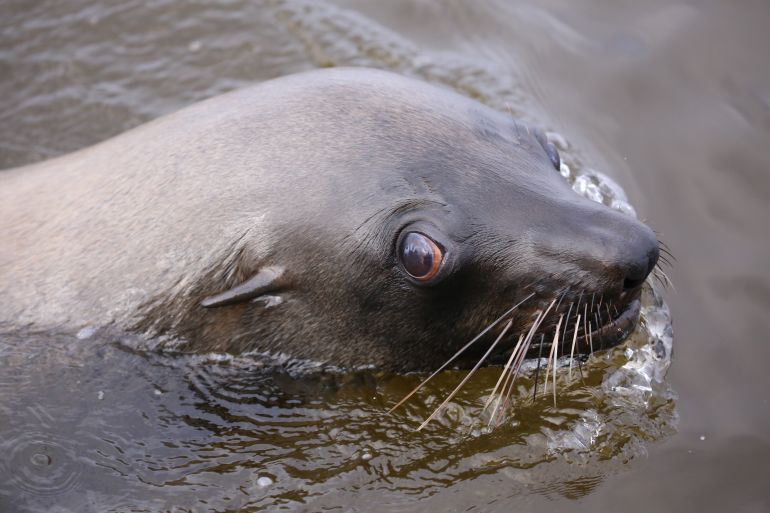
(86, 332)
(264, 481)
(41, 460)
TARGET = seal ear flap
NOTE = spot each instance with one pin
(266, 280)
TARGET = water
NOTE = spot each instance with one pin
(671, 99)
(94, 424)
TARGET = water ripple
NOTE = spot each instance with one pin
(39, 463)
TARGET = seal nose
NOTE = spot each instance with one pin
(590, 246)
(618, 251)
(640, 257)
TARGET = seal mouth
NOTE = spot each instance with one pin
(580, 328)
(594, 332)
(601, 329)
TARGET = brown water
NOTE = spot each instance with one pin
(672, 99)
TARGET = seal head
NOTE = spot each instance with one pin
(347, 216)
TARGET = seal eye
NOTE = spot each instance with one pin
(549, 147)
(420, 256)
(553, 154)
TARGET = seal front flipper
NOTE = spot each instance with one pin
(266, 280)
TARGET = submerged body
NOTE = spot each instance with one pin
(349, 216)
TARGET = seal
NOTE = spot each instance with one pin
(348, 216)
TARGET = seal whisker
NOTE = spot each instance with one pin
(585, 329)
(667, 258)
(561, 298)
(566, 323)
(574, 342)
(520, 360)
(552, 360)
(510, 375)
(597, 319)
(467, 377)
(577, 305)
(664, 258)
(665, 255)
(547, 370)
(664, 248)
(555, 359)
(462, 349)
(668, 280)
(657, 277)
(504, 372)
(508, 386)
(505, 391)
(537, 370)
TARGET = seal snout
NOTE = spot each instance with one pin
(640, 257)
(611, 252)
(620, 253)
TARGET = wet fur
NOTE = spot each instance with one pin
(317, 173)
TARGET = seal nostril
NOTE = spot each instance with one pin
(632, 283)
(636, 274)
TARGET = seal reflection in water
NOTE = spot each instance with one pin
(347, 216)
